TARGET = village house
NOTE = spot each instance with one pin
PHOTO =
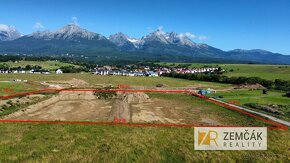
(58, 71)
(4, 71)
(149, 71)
(19, 72)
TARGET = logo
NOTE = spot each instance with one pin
(230, 138)
(205, 138)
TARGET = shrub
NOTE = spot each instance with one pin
(105, 94)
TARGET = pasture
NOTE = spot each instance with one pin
(270, 72)
(272, 98)
(8, 88)
(93, 143)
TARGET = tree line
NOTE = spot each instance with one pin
(26, 68)
(73, 69)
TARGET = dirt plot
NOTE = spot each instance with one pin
(70, 110)
(67, 106)
(166, 111)
(132, 107)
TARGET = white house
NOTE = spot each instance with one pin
(58, 71)
(152, 74)
(18, 72)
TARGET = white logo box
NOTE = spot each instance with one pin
(230, 138)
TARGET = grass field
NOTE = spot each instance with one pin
(50, 65)
(256, 96)
(75, 143)
(8, 88)
(115, 80)
(270, 72)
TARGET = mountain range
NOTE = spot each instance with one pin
(158, 45)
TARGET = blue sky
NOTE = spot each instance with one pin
(225, 24)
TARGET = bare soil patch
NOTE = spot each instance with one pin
(93, 110)
(74, 83)
(251, 86)
(67, 106)
(164, 111)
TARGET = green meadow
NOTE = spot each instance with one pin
(270, 72)
(97, 143)
(8, 88)
(254, 96)
(257, 97)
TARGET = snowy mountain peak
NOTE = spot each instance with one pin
(118, 35)
(73, 31)
(122, 40)
(119, 39)
(169, 38)
(159, 32)
(47, 35)
(180, 39)
(71, 28)
(8, 33)
(158, 35)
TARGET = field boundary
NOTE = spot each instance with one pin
(275, 125)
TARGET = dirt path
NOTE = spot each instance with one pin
(120, 110)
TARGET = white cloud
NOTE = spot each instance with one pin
(74, 19)
(202, 37)
(38, 26)
(190, 35)
(4, 27)
(160, 28)
(193, 36)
